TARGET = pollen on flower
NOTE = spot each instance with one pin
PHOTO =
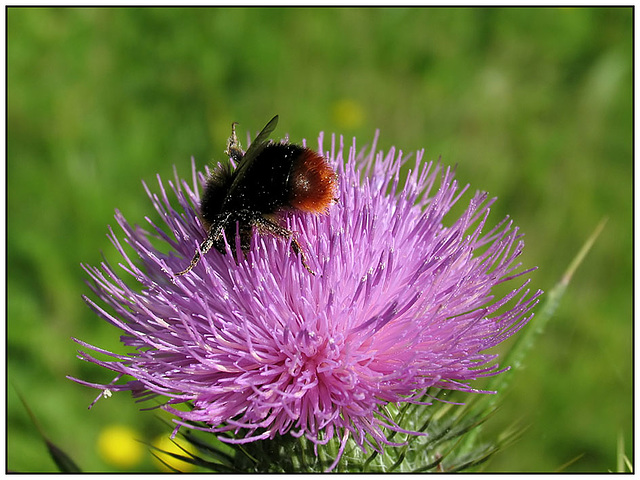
(257, 348)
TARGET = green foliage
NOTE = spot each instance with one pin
(534, 105)
(62, 460)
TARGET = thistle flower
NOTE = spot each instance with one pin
(258, 346)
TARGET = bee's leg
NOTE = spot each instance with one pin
(245, 237)
(267, 226)
(204, 248)
(213, 237)
(234, 150)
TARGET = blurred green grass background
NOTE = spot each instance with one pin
(533, 105)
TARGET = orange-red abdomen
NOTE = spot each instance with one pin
(312, 182)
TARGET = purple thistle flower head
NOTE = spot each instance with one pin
(256, 344)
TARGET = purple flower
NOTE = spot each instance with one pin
(400, 303)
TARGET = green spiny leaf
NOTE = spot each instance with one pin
(63, 461)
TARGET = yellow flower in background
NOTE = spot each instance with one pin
(164, 443)
(119, 446)
(347, 114)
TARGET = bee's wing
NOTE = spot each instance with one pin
(253, 151)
